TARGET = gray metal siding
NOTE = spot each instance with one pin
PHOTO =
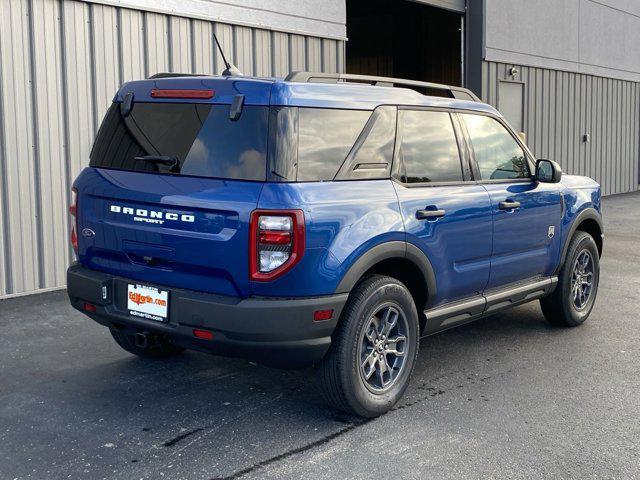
(61, 62)
(560, 107)
(594, 37)
(326, 18)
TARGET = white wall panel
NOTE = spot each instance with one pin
(131, 28)
(243, 42)
(20, 236)
(224, 33)
(50, 173)
(157, 43)
(203, 47)
(280, 53)
(298, 52)
(262, 52)
(314, 54)
(61, 62)
(180, 44)
(106, 62)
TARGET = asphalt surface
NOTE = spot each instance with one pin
(505, 397)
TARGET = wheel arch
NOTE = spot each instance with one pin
(400, 260)
(589, 221)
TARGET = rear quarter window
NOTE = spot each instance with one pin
(325, 137)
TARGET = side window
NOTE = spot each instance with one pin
(496, 152)
(325, 137)
(428, 148)
(370, 157)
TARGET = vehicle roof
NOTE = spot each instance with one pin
(278, 92)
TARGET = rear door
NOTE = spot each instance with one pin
(446, 215)
(526, 213)
(169, 192)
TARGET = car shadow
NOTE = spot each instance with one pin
(204, 384)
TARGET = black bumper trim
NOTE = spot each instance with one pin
(268, 330)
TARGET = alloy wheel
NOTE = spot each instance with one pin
(582, 280)
(383, 348)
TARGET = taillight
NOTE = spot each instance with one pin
(73, 210)
(276, 242)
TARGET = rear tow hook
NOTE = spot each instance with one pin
(142, 340)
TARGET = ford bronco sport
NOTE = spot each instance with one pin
(323, 219)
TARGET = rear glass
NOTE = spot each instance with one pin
(184, 138)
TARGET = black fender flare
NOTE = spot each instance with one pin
(385, 251)
(589, 213)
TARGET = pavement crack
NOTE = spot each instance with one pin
(173, 441)
(295, 451)
(324, 440)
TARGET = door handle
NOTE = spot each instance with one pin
(509, 205)
(429, 214)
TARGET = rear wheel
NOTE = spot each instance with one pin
(573, 299)
(373, 350)
(146, 345)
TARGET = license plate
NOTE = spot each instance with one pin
(147, 302)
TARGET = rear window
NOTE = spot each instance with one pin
(184, 138)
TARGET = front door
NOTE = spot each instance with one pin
(526, 213)
(446, 216)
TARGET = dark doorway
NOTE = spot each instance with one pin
(404, 39)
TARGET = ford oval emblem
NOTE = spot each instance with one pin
(87, 232)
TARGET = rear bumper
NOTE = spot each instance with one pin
(268, 330)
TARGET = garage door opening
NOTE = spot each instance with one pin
(404, 39)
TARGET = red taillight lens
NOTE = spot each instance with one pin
(157, 93)
(89, 307)
(73, 210)
(203, 334)
(322, 315)
(276, 242)
(275, 238)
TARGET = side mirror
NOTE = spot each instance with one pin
(548, 171)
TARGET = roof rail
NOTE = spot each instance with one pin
(175, 74)
(321, 77)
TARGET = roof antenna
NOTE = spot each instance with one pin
(231, 70)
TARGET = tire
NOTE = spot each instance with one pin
(358, 336)
(158, 347)
(564, 308)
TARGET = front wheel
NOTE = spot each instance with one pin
(573, 299)
(374, 348)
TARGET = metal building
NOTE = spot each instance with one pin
(61, 62)
(566, 73)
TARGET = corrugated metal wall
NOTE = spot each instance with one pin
(61, 62)
(560, 107)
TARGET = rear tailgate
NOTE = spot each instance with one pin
(177, 231)
(172, 182)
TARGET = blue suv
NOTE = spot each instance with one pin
(323, 219)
